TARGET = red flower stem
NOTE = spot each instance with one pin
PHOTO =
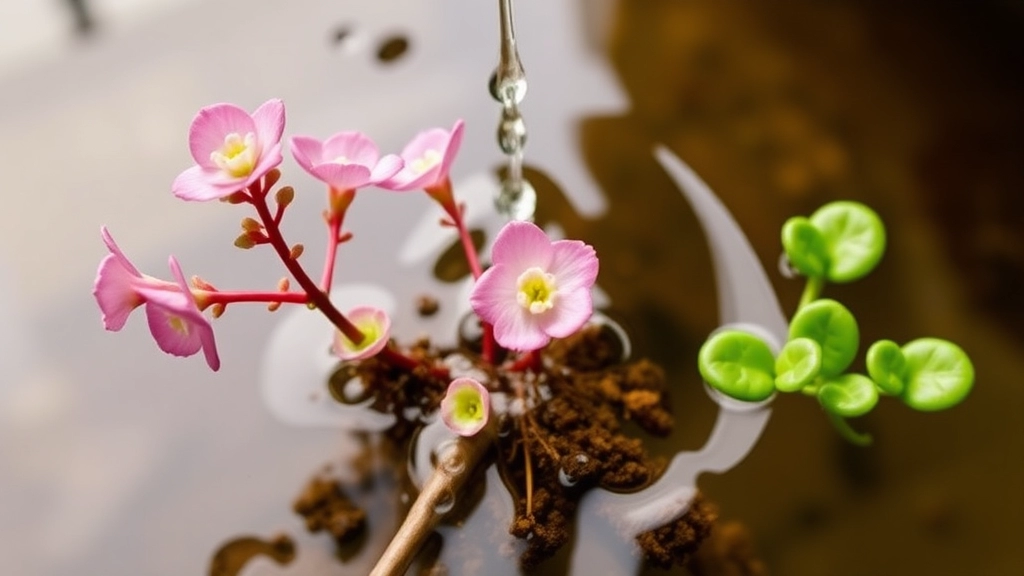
(333, 232)
(208, 297)
(316, 296)
(444, 196)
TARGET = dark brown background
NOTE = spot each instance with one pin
(913, 108)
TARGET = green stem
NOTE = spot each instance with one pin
(811, 290)
(847, 432)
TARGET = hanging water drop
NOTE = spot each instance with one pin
(786, 267)
(445, 502)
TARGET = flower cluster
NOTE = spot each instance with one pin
(536, 289)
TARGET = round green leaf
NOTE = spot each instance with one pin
(855, 237)
(805, 247)
(939, 374)
(849, 395)
(887, 367)
(834, 328)
(798, 364)
(739, 365)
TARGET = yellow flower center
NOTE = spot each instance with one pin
(536, 290)
(237, 156)
(178, 325)
(469, 406)
(371, 332)
(429, 159)
(342, 160)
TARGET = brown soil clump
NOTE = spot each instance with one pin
(325, 507)
(677, 542)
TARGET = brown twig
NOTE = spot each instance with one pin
(453, 469)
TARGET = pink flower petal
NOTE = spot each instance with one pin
(308, 152)
(116, 251)
(574, 264)
(270, 158)
(211, 125)
(269, 122)
(354, 147)
(201, 184)
(452, 148)
(342, 176)
(571, 311)
(387, 167)
(522, 245)
(114, 291)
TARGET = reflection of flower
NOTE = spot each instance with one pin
(466, 406)
(428, 157)
(376, 328)
(345, 161)
(537, 289)
(232, 149)
(175, 321)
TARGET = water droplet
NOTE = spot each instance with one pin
(510, 91)
(786, 268)
(565, 479)
(516, 202)
(445, 502)
(511, 131)
(346, 387)
(449, 457)
(470, 332)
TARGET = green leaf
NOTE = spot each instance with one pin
(834, 328)
(805, 247)
(855, 237)
(847, 431)
(739, 365)
(887, 367)
(849, 395)
(797, 365)
(939, 374)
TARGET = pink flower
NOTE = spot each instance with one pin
(537, 289)
(232, 149)
(175, 321)
(376, 328)
(345, 161)
(428, 158)
(466, 407)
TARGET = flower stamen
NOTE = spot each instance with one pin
(536, 290)
(424, 163)
(237, 156)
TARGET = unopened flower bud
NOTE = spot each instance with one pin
(218, 309)
(239, 197)
(250, 225)
(296, 251)
(273, 306)
(245, 241)
(283, 284)
(285, 196)
(271, 178)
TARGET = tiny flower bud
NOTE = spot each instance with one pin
(218, 309)
(311, 305)
(201, 284)
(245, 241)
(250, 225)
(239, 197)
(283, 284)
(271, 178)
(296, 251)
(285, 196)
(273, 306)
(345, 237)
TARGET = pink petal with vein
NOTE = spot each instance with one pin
(211, 125)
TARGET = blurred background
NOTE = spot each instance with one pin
(913, 108)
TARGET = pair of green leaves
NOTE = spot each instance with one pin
(841, 242)
(823, 341)
(928, 374)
